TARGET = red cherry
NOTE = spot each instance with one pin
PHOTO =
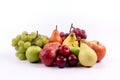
(64, 50)
(72, 60)
(61, 61)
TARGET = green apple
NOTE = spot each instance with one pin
(32, 54)
(74, 50)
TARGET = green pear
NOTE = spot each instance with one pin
(74, 50)
(32, 54)
(87, 55)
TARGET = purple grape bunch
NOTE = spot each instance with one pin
(80, 33)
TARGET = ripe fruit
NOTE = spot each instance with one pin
(22, 56)
(72, 60)
(32, 53)
(48, 56)
(70, 40)
(48, 53)
(61, 61)
(80, 33)
(99, 48)
(23, 41)
(55, 37)
(60, 49)
(64, 50)
(87, 55)
(53, 45)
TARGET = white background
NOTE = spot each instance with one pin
(100, 19)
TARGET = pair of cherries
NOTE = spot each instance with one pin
(65, 57)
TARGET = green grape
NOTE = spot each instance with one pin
(24, 33)
(33, 35)
(16, 47)
(20, 43)
(18, 37)
(14, 42)
(30, 38)
(39, 43)
(21, 49)
(45, 40)
(17, 54)
(24, 37)
(41, 36)
(27, 45)
(22, 56)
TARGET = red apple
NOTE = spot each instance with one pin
(48, 53)
(48, 56)
(99, 48)
(53, 45)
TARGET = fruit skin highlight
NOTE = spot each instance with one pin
(87, 56)
(32, 54)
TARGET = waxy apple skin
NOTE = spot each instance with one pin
(48, 56)
(48, 53)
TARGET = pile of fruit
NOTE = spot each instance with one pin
(60, 49)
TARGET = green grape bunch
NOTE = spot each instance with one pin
(23, 41)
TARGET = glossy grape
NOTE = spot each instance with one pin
(39, 43)
(22, 56)
(27, 45)
(14, 42)
(61, 61)
(72, 60)
(24, 33)
(79, 33)
(23, 41)
(20, 43)
(21, 49)
(24, 37)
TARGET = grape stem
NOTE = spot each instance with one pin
(70, 32)
(37, 34)
(71, 28)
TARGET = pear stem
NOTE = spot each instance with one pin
(98, 42)
(56, 27)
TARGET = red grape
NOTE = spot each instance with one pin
(80, 33)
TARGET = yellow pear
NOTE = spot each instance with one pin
(70, 40)
(87, 55)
